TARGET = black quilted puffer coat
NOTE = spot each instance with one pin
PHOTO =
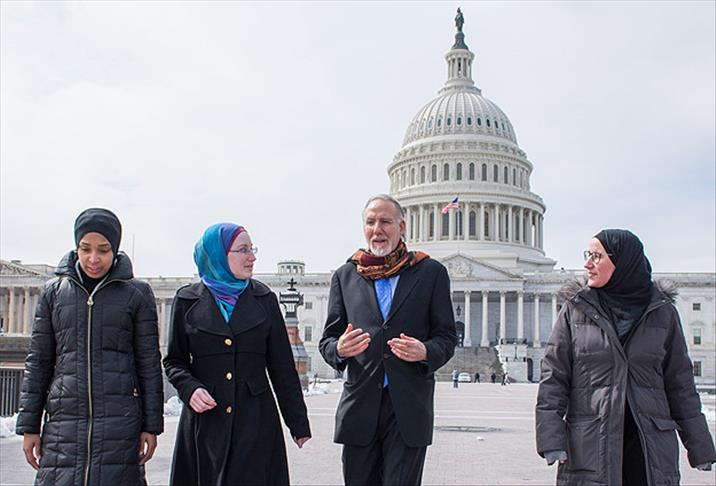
(588, 377)
(94, 370)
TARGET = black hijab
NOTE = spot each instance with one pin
(628, 292)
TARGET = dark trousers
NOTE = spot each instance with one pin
(387, 460)
(633, 464)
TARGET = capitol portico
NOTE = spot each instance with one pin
(505, 289)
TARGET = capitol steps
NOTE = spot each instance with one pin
(483, 360)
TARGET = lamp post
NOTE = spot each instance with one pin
(291, 300)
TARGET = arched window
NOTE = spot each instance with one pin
(514, 177)
(446, 172)
(458, 222)
(412, 176)
(431, 229)
(479, 121)
(472, 171)
(422, 175)
(405, 179)
(488, 122)
(458, 172)
(445, 230)
(484, 172)
(469, 121)
(449, 121)
(440, 122)
(505, 174)
(459, 121)
(430, 124)
(472, 227)
(495, 173)
(486, 218)
(433, 173)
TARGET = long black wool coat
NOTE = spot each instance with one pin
(240, 441)
(94, 370)
(588, 377)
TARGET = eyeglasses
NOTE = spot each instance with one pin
(245, 250)
(595, 256)
(379, 222)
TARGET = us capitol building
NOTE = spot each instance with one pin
(504, 287)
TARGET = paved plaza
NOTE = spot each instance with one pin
(484, 435)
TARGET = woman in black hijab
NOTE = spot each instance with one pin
(93, 369)
(617, 382)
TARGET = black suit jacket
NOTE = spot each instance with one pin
(421, 308)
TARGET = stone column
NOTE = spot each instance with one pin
(467, 341)
(554, 310)
(436, 225)
(503, 324)
(510, 224)
(466, 222)
(481, 222)
(522, 226)
(421, 236)
(536, 341)
(485, 340)
(11, 311)
(520, 316)
(163, 322)
(452, 220)
(529, 228)
(495, 223)
(27, 313)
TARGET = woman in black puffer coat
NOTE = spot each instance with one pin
(93, 367)
(617, 382)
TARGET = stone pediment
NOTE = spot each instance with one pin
(11, 269)
(461, 266)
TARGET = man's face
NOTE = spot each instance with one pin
(382, 227)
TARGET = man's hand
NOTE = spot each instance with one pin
(32, 447)
(408, 348)
(352, 342)
(147, 446)
(300, 441)
(201, 401)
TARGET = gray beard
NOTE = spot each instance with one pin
(379, 253)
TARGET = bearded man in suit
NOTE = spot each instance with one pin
(390, 324)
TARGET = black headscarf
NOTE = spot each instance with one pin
(102, 221)
(628, 292)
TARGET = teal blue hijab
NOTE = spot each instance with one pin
(210, 254)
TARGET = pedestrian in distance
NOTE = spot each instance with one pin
(390, 325)
(226, 333)
(477, 377)
(617, 383)
(93, 368)
(455, 376)
(505, 379)
(493, 377)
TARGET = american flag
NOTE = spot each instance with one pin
(451, 205)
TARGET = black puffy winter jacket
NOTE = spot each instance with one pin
(94, 369)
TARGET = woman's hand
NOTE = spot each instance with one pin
(147, 446)
(300, 441)
(201, 401)
(32, 447)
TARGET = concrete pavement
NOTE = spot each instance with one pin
(484, 435)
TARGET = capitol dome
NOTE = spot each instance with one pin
(461, 145)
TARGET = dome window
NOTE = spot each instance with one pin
(479, 121)
(446, 172)
(458, 172)
(488, 122)
(430, 124)
(422, 175)
(433, 173)
(471, 224)
(412, 176)
(495, 174)
(472, 171)
(484, 172)
(440, 122)
(504, 175)
(514, 177)
(449, 121)
(469, 121)
(459, 121)
(445, 226)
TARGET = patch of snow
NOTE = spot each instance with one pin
(323, 387)
(480, 438)
(7, 426)
(708, 413)
(173, 407)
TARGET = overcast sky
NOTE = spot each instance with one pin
(284, 116)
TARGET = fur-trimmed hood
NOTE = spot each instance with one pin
(668, 288)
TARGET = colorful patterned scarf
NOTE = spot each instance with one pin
(373, 267)
(210, 254)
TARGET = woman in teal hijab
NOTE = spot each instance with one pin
(226, 340)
